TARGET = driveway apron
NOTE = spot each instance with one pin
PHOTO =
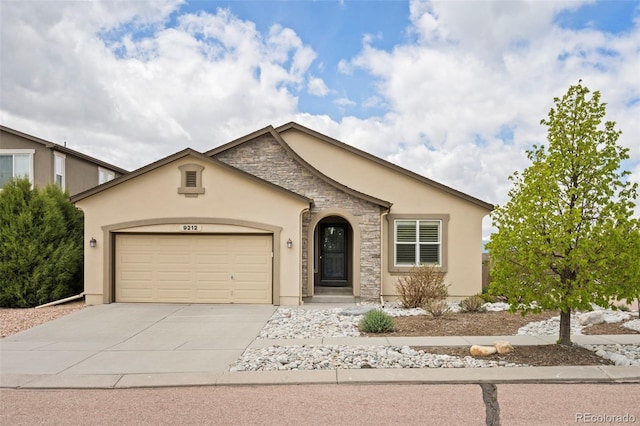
(132, 338)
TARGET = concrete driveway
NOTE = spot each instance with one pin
(105, 343)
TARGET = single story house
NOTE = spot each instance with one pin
(277, 215)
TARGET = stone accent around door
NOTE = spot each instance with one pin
(265, 158)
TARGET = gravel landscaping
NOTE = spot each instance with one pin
(13, 321)
(298, 323)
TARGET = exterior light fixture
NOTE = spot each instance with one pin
(289, 243)
(93, 243)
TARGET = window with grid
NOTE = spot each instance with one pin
(16, 164)
(418, 242)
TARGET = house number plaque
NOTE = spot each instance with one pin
(190, 228)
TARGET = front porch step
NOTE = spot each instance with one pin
(331, 298)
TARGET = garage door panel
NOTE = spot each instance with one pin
(250, 296)
(212, 259)
(194, 268)
(137, 294)
(174, 294)
(133, 275)
(174, 259)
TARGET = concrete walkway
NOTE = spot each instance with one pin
(142, 345)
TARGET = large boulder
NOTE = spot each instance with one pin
(502, 346)
(591, 318)
(477, 350)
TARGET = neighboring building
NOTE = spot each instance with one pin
(43, 162)
(278, 215)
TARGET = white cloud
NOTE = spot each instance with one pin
(488, 66)
(317, 87)
(115, 80)
(209, 79)
(344, 102)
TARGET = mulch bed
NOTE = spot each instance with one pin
(535, 356)
(501, 324)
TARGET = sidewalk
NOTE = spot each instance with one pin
(146, 345)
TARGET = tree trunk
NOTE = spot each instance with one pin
(565, 327)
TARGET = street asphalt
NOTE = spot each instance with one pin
(153, 345)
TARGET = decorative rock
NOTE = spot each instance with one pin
(502, 346)
(357, 310)
(301, 323)
(477, 350)
(632, 325)
(591, 318)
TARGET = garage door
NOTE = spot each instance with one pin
(194, 268)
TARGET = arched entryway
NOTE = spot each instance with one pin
(333, 260)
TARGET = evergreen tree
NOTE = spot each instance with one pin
(41, 245)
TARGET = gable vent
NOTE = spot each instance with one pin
(191, 179)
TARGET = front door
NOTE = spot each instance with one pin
(333, 255)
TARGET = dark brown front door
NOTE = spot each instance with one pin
(333, 254)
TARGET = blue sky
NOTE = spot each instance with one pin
(453, 90)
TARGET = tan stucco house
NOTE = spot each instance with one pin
(279, 215)
(44, 162)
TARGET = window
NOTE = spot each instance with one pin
(105, 175)
(417, 242)
(58, 167)
(191, 180)
(419, 239)
(16, 163)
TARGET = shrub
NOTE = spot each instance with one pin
(423, 285)
(376, 322)
(488, 298)
(622, 307)
(41, 252)
(438, 308)
(472, 304)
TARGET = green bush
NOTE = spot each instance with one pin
(472, 304)
(41, 251)
(421, 286)
(376, 322)
(488, 298)
(621, 307)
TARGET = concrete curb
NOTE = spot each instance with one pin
(513, 375)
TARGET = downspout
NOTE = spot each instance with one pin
(61, 301)
(383, 217)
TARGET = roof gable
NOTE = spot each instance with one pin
(64, 150)
(269, 130)
(384, 163)
(188, 152)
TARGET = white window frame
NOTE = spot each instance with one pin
(390, 232)
(108, 174)
(417, 243)
(13, 153)
(62, 172)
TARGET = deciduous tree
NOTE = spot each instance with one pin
(567, 237)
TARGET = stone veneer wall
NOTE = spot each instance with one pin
(268, 160)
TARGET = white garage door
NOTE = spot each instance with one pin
(194, 268)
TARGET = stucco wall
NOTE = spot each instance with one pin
(231, 203)
(267, 159)
(409, 196)
(80, 173)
